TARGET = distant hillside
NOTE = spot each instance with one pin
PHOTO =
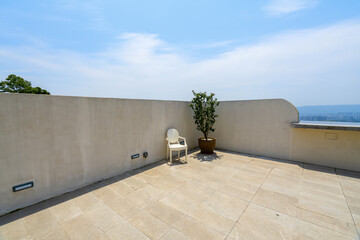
(343, 113)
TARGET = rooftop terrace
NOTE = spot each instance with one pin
(222, 196)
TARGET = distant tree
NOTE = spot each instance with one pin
(16, 84)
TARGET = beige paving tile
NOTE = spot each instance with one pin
(320, 188)
(125, 231)
(14, 230)
(134, 182)
(284, 182)
(236, 161)
(145, 195)
(193, 171)
(241, 189)
(198, 188)
(165, 213)
(188, 197)
(356, 218)
(147, 178)
(351, 187)
(225, 205)
(40, 224)
(322, 174)
(306, 230)
(66, 210)
(281, 186)
(149, 225)
(328, 222)
(261, 163)
(56, 234)
(186, 174)
(354, 204)
(214, 220)
(197, 230)
(169, 182)
(326, 204)
(223, 171)
(124, 207)
(282, 172)
(276, 201)
(213, 181)
(158, 171)
(174, 235)
(104, 217)
(104, 237)
(86, 202)
(105, 194)
(322, 194)
(290, 167)
(261, 223)
(81, 227)
(251, 175)
(121, 188)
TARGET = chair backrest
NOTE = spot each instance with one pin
(172, 135)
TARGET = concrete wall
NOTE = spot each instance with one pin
(62, 143)
(333, 148)
(261, 127)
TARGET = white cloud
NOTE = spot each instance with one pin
(281, 7)
(307, 67)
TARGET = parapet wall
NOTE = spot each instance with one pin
(261, 127)
(63, 143)
(332, 148)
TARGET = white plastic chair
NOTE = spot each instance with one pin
(174, 144)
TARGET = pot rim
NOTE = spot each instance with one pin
(203, 138)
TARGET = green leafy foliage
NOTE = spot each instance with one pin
(204, 106)
(16, 84)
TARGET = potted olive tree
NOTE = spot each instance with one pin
(204, 106)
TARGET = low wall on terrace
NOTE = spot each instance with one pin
(63, 143)
(261, 127)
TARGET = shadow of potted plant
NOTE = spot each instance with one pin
(204, 107)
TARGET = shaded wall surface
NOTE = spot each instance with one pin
(333, 148)
(63, 143)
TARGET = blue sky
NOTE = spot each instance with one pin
(306, 51)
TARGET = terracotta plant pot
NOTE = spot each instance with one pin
(207, 146)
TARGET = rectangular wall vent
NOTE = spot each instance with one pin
(23, 186)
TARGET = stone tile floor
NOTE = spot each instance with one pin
(221, 196)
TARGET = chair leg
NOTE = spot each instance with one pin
(170, 157)
(167, 152)
(179, 154)
(186, 155)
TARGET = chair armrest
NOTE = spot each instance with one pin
(184, 139)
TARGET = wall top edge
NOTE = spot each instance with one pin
(327, 125)
(86, 97)
(251, 100)
(164, 100)
(137, 99)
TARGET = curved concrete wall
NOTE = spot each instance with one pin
(261, 127)
(63, 143)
